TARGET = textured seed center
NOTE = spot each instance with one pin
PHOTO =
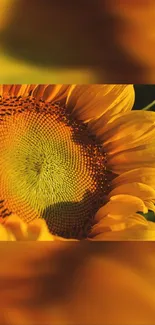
(50, 167)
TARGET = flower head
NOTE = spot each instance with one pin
(77, 157)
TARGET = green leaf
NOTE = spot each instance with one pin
(150, 216)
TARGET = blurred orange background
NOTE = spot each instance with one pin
(77, 283)
(77, 42)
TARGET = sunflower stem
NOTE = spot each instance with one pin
(147, 108)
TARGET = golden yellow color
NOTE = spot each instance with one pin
(5, 12)
(77, 283)
(135, 33)
(121, 151)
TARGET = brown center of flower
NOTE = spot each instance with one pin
(50, 167)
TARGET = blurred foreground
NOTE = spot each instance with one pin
(57, 41)
(84, 283)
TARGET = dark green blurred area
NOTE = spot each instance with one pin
(144, 95)
(150, 216)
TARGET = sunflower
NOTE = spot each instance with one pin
(75, 163)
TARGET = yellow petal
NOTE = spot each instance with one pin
(6, 235)
(55, 92)
(24, 90)
(50, 92)
(150, 205)
(121, 205)
(116, 223)
(129, 141)
(1, 90)
(38, 91)
(144, 175)
(16, 90)
(140, 190)
(143, 156)
(16, 226)
(139, 233)
(13, 228)
(143, 191)
(127, 235)
(6, 89)
(130, 130)
(121, 104)
(96, 126)
(87, 102)
(38, 230)
(128, 124)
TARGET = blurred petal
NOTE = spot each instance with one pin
(36, 230)
(18, 71)
(13, 228)
(6, 235)
(132, 41)
(15, 225)
(135, 42)
(74, 284)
